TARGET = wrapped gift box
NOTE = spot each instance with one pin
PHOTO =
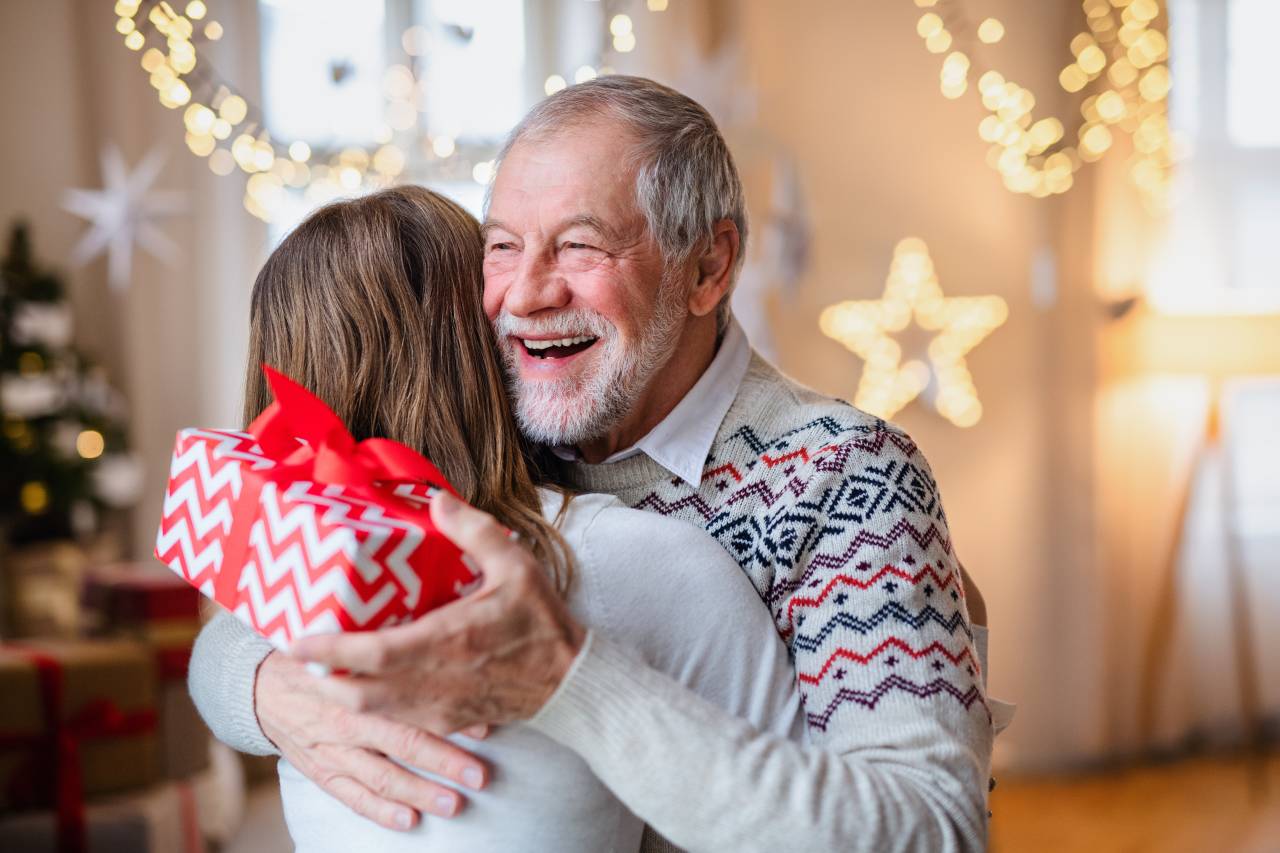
(145, 602)
(138, 596)
(43, 581)
(297, 529)
(78, 719)
(162, 819)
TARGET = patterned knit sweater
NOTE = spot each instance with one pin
(835, 517)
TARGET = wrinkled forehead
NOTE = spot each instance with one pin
(588, 167)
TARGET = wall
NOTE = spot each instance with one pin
(173, 341)
(1060, 504)
(848, 91)
(885, 156)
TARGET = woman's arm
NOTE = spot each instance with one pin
(708, 781)
(224, 667)
(256, 700)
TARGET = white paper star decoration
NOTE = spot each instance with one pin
(959, 324)
(124, 212)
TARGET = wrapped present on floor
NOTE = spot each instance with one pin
(78, 720)
(296, 528)
(43, 582)
(147, 603)
(160, 819)
(137, 596)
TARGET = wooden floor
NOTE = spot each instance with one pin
(1200, 805)
(1196, 806)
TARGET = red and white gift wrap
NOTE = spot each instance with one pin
(298, 529)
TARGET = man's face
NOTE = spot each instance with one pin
(574, 284)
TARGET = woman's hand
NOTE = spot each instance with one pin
(349, 754)
(494, 656)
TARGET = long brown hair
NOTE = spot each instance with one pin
(374, 304)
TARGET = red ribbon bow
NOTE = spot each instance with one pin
(307, 441)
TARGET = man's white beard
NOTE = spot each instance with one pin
(584, 407)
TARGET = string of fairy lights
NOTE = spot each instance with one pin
(1123, 55)
(620, 38)
(229, 131)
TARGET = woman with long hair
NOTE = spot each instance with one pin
(374, 304)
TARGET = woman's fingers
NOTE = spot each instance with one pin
(391, 783)
(423, 750)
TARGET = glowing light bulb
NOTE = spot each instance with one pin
(90, 444)
(233, 109)
(482, 173)
(1073, 78)
(443, 146)
(929, 23)
(990, 31)
(620, 25)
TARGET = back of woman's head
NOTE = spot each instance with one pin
(374, 304)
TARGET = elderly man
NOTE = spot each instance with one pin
(614, 232)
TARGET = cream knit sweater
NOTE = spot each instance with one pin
(836, 519)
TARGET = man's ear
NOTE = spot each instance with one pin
(715, 269)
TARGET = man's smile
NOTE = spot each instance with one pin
(556, 347)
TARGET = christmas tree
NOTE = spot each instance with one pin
(63, 446)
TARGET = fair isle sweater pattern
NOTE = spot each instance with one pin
(836, 518)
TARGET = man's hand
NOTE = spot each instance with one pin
(494, 656)
(346, 753)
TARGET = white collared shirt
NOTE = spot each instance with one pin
(681, 441)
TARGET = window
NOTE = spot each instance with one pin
(1222, 253)
(441, 80)
(1253, 35)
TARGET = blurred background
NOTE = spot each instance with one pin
(1097, 184)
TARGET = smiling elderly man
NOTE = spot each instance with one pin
(614, 233)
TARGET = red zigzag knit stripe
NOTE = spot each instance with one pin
(890, 643)
(847, 580)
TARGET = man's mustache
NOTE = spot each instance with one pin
(572, 322)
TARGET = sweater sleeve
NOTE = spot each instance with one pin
(708, 781)
(224, 667)
(865, 589)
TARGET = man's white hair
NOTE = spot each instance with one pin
(686, 180)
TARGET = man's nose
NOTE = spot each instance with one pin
(538, 286)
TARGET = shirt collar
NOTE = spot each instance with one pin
(682, 440)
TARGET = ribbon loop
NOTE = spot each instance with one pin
(331, 452)
(329, 455)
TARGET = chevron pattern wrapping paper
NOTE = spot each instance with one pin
(319, 557)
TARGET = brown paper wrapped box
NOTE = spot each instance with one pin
(78, 720)
(150, 604)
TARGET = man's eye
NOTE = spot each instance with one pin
(501, 247)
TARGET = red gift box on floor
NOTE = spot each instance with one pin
(298, 529)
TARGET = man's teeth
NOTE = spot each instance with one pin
(562, 342)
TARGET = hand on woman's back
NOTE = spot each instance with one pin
(348, 754)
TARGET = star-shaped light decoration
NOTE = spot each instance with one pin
(958, 324)
(124, 212)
